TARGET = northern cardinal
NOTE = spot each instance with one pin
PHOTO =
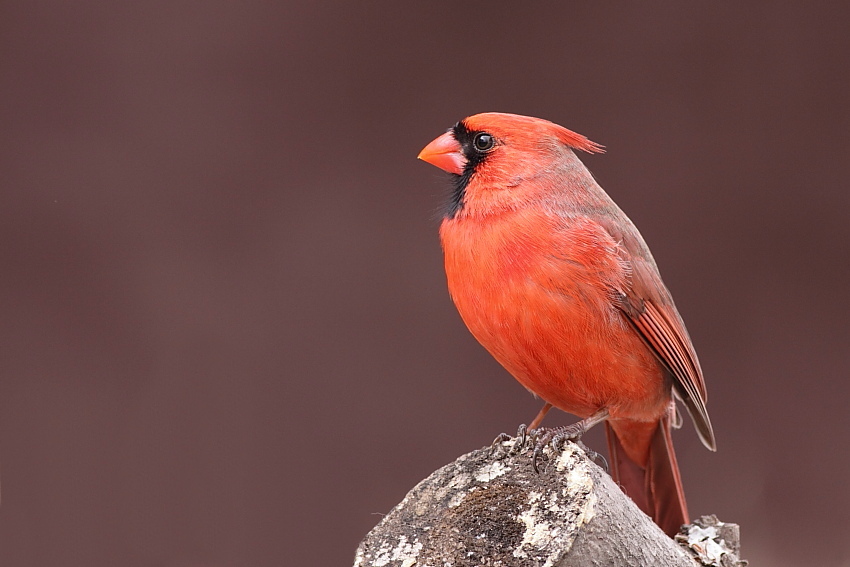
(559, 286)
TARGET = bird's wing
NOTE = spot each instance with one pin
(648, 306)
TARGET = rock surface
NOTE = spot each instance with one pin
(493, 509)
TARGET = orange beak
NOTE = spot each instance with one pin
(445, 153)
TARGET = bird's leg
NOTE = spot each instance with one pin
(537, 420)
(557, 435)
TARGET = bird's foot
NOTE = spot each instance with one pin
(517, 443)
(555, 437)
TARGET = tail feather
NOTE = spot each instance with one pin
(657, 487)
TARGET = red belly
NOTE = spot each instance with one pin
(551, 324)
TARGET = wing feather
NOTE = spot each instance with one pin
(666, 335)
(645, 301)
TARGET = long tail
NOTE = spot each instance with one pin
(656, 487)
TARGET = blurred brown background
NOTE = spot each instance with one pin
(224, 328)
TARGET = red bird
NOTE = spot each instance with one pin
(559, 286)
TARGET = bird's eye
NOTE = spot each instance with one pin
(483, 141)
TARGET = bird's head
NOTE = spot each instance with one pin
(492, 156)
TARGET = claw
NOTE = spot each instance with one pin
(600, 460)
(537, 451)
(522, 434)
(497, 442)
(593, 455)
(518, 442)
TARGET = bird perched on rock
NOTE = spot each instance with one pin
(559, 286)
